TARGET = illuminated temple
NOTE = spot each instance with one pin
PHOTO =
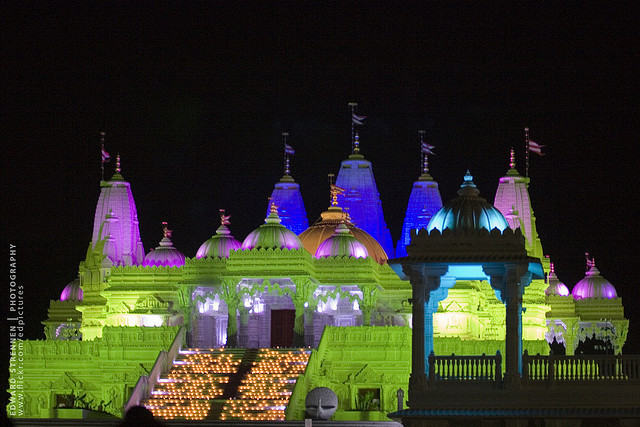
(293, 306)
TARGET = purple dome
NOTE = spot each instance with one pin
(556, 287)
(165, 255)
(593, 286)
(72, 292)
(271, 235)
(219, 245)
(342, 243)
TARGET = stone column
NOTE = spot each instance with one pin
(418, 377)
(243, 329)
(232, 324)
(510, 279)
(513, 336)
(425, 283)
(298, 326)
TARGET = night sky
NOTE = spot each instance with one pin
(195, 98)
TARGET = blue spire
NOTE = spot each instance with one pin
(286, 195)
(424, 202)
(361, 199)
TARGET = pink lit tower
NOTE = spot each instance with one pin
(115, 242)
(512, 200)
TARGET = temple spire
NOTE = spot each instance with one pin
(424, 200)
(118, 163)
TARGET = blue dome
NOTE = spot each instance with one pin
(469, 211)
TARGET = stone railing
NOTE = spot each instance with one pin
(580, 368)
(465, 368)
(163, 363)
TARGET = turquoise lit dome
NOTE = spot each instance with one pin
(468, 211)
(165, 255)
(593, 285)
(271, 235)
(72, 292)
(342, 243)
(219, 245)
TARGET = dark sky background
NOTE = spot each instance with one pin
(194, 98)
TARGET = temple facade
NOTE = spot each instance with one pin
(286, 282)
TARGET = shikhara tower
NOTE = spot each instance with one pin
(115, 242)
(361, 199)
(424, 202)
(286, 195)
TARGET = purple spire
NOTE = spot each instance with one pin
(116, 221)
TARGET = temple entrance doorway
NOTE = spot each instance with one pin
(282, 322)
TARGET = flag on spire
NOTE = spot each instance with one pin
(357, 120)
(427, 148)
(105, 155)
(534, 147)
(289, 149)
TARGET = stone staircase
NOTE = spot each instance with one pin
(228, 384)
(264, 392)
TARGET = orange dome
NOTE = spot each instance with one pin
(317, 233)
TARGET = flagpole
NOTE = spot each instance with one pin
(424, 162)
(286, 156)
(102, 135)
(526, 152)
(353, 106)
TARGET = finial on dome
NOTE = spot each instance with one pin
(335, 191)
(356, 143)
(166, 233)
(224, 219)
(118, 163)
(273, 208)
(590, 261)
(512, 158)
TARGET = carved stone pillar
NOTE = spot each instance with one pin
(232, 324)
(425, 283)
(510, 279)
(243, 330)
(298, 326)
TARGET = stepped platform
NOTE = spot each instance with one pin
(228, 384)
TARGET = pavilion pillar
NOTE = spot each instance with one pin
(511, 279)
(425, 284)
(418, 376)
